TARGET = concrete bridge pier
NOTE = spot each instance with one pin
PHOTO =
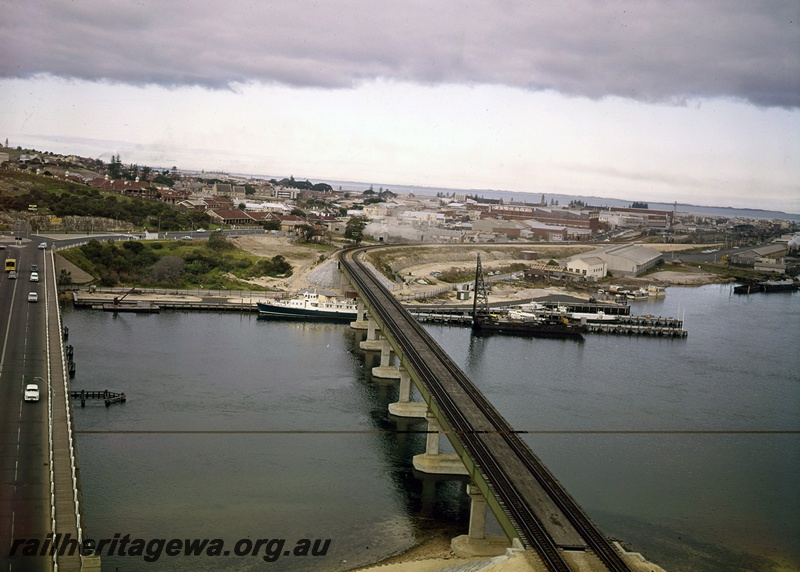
(386, 370)
(475, 542)
(434, 462)
(373, 341)
(361, 318)
(404, 406)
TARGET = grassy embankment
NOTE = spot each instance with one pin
(212, 264)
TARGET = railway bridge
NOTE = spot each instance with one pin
(534, 510)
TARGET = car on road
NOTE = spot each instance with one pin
(42, 245)
(33, 297)
(34, 276)
(34, 268)
(201, 230)
(31, 392)
(186, 238)
(12, 275)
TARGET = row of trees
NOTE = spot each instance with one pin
(117, 170)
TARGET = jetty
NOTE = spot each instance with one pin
(109, 397)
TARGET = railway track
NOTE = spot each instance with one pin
(477, 425)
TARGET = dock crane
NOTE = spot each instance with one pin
(119, 299)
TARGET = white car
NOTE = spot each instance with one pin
(33, 297)
(34, 276)
(12, 274)
(42, 246)
(31, 392)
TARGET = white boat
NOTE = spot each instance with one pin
(586, 317)
(313, 305)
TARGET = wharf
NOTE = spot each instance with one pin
(153, 302)
(137, 307)
(460, 315)
(641, 326)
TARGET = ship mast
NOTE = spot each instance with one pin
(480, 303)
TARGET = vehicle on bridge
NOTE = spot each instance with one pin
(31, 392)
(33, 297)
(34, 276)
(42, 246)
(11, 264)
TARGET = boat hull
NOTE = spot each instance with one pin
(272, 311)
(536, 330)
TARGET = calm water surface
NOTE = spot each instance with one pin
(688, 450)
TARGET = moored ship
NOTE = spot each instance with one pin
(311, 305)
(787, 285)
(522, 321)
(544, 328)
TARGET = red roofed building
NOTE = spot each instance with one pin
(230, 217)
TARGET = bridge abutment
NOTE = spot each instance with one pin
(475, 542)
(434, 462)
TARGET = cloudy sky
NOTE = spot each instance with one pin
(695, 101)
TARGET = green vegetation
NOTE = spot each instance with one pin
(175, 264)
(59, 198)
(305, 185)
(354, 230)
(457, 275)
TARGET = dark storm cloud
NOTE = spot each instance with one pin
(648, 51)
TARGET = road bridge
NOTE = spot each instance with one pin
(41, 513)
(532, 507)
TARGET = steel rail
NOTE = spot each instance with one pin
(402, 325)
(530, 528)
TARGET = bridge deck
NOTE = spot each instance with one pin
(65, 517)
(544, 515)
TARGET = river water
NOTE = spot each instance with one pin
(238, 428)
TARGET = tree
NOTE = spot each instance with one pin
(163, 180)
(354, 230)
(217, 241)
(65, 276)
(273, 224)
(115, 167)
(306, 232)
(167, 270)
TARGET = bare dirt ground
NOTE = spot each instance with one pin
(671, 278)
(303, 259)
